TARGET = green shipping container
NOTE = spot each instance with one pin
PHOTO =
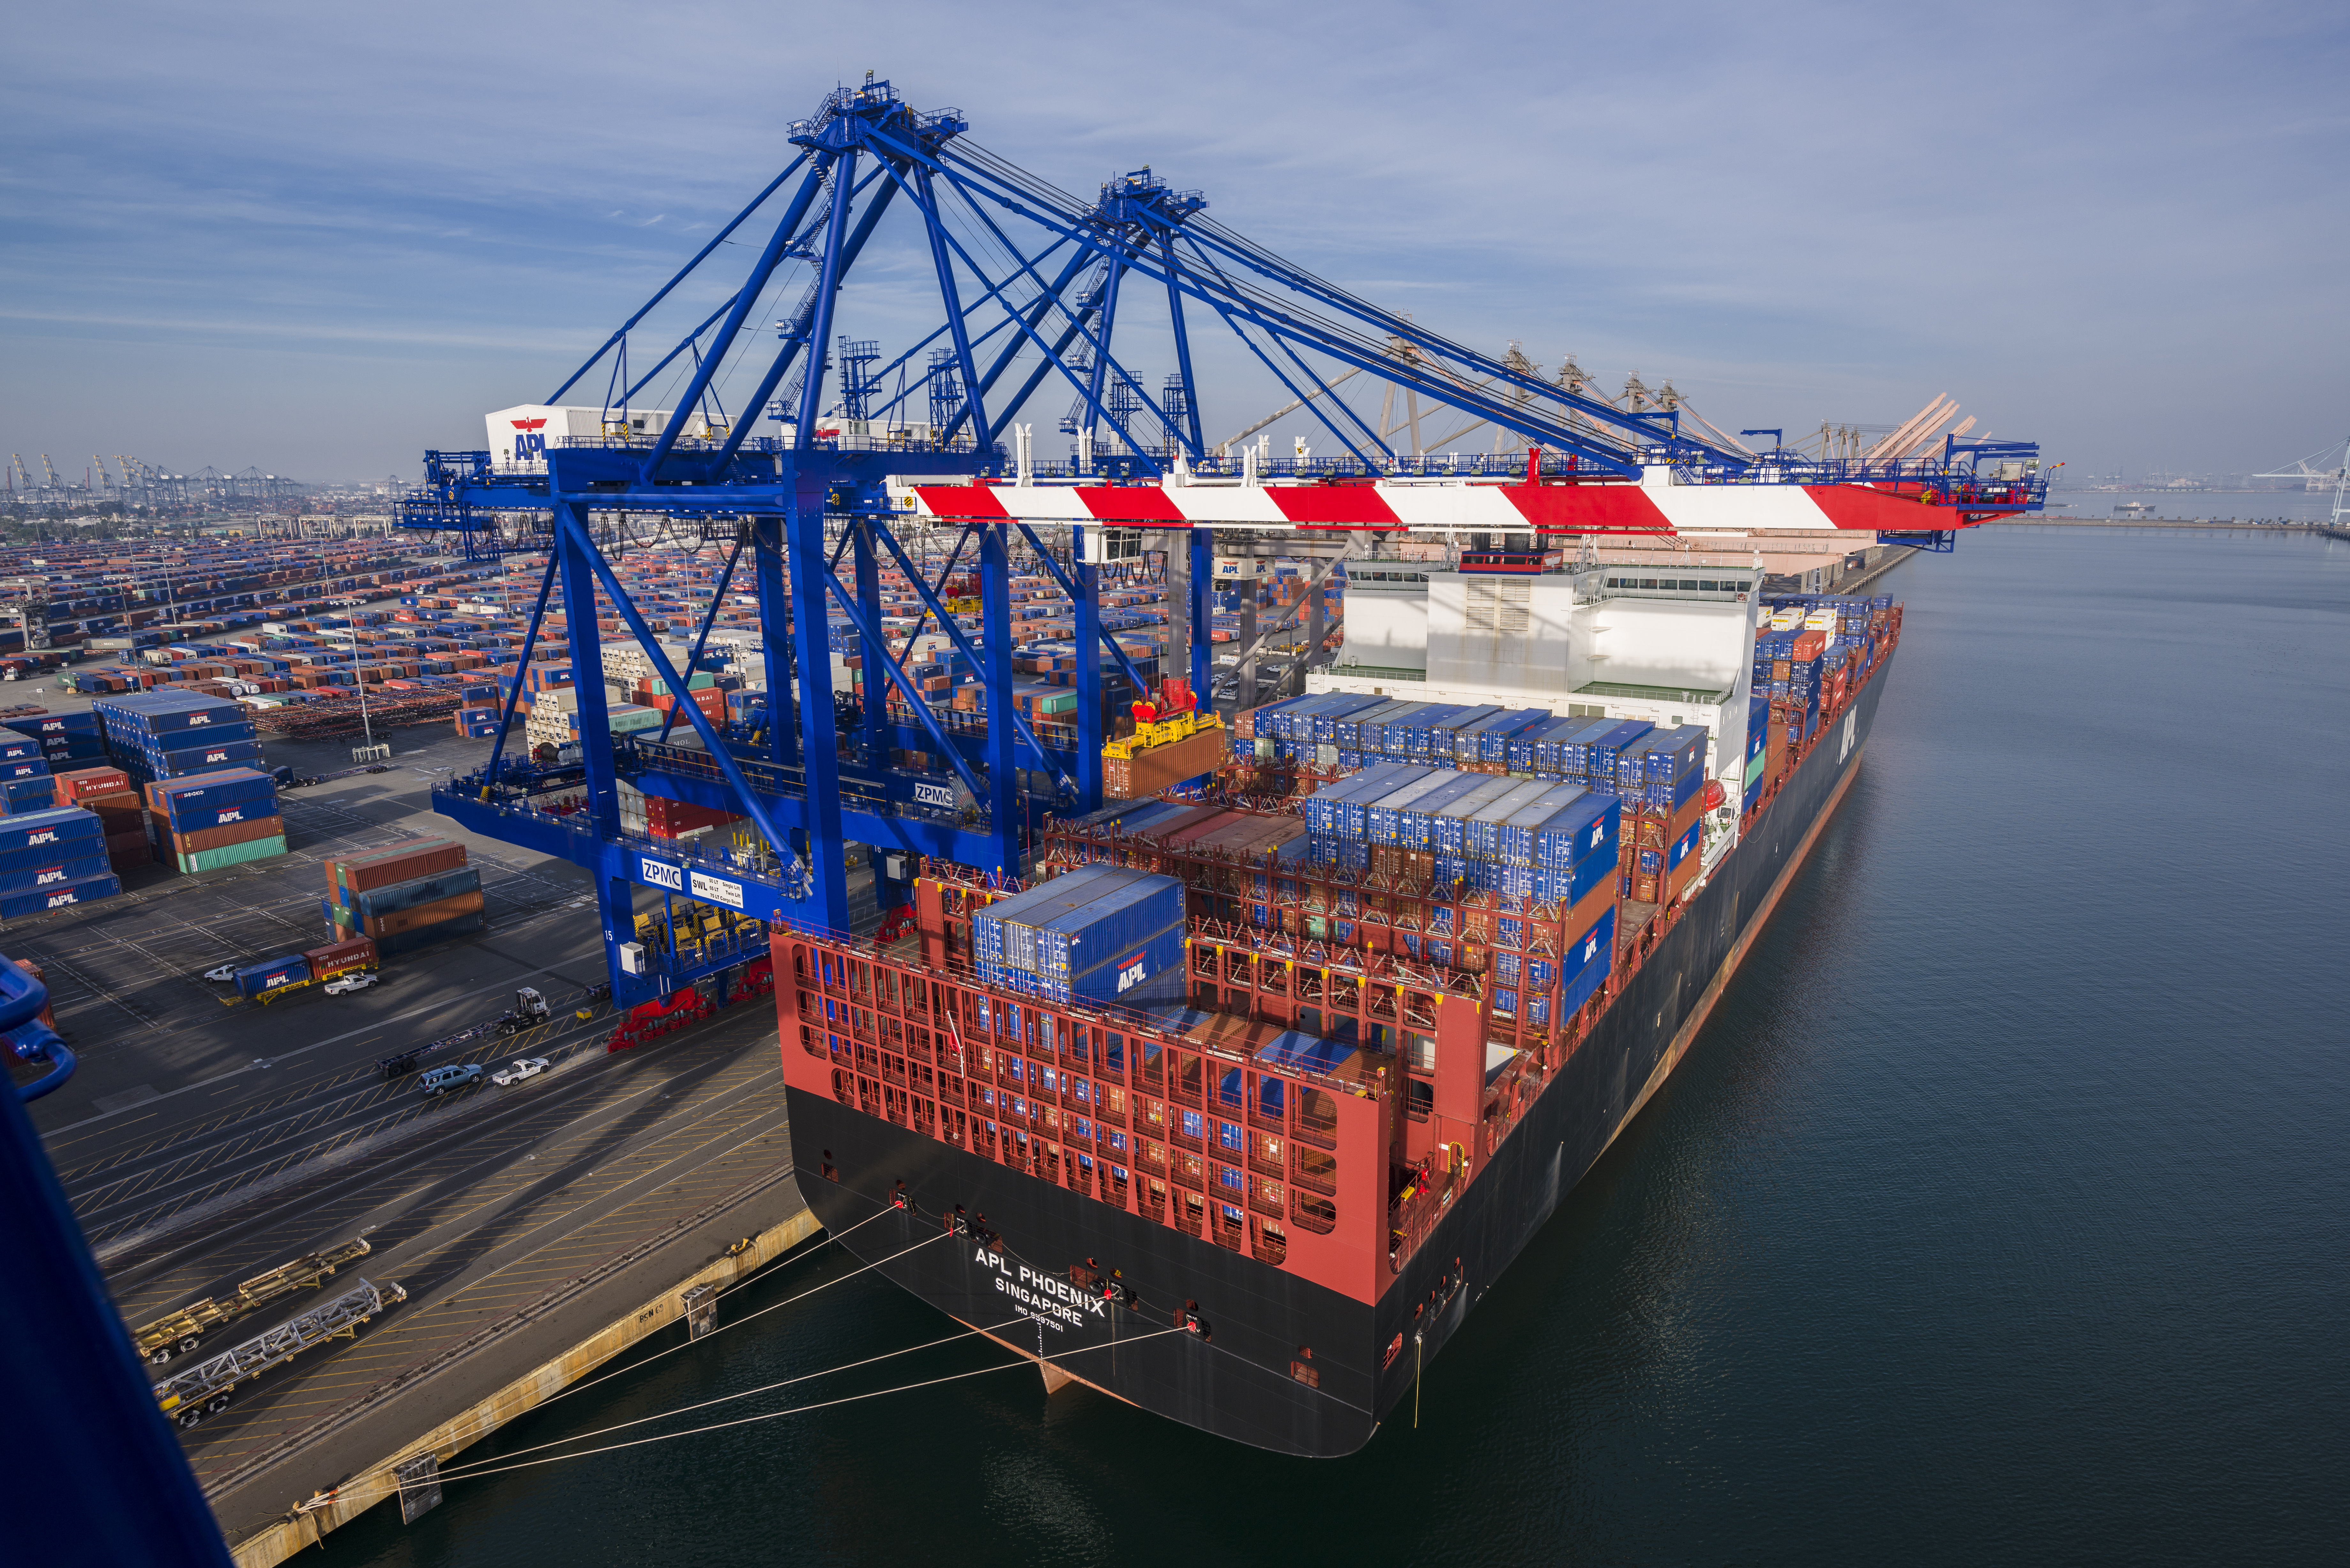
(235, 855)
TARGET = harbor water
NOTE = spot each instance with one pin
(1999, 1212)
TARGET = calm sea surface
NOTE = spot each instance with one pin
(1999, 1212)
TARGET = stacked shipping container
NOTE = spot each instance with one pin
(50, 859)
(404, 897)
(203, 821)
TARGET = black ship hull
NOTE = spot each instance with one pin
(1241, 1379)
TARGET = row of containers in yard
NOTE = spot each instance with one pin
(98, 825)
(136, 598)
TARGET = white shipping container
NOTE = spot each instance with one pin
(521, 436)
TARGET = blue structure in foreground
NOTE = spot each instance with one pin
(112, 1483)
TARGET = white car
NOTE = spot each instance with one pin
(521, 1067)
(357, 979)
(224, 974)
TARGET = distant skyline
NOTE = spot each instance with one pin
(319, 242)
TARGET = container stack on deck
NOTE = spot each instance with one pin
(1098, 934)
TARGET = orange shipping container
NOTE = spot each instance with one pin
(221, 837)
(432, 914)
(401, 863)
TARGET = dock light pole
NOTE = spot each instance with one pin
(365, 753)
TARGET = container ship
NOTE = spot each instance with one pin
(1234, 1112)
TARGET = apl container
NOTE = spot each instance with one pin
(1586, 827)
(1513, 838)
(1002, 932)
(59, 895)
(273, 975)
(1596, 952)
(38, 833)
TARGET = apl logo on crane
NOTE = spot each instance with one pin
(530, 440)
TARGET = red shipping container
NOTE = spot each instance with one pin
(339, 958)
(79, 786)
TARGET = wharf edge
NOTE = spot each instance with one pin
(306, 1527)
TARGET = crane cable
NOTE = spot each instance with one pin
(802, 1409)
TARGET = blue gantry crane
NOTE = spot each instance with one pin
(1033, 286)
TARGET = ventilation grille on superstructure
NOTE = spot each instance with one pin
(1496, 612)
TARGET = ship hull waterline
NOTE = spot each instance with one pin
(1240, 1380)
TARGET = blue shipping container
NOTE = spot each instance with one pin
(1383, 818)
(60, 896)
(70, 866)
(273, 975)
(1513, 839)
(1483, 839)
(35, 830)
(222, 787)
(1585, 828)
(1416, 825)
(1074, 942)
(219, 734)
(407, 895)
(1450, 829)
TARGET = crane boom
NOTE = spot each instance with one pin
(1289, 407)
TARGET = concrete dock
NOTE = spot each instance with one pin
(539, 1230)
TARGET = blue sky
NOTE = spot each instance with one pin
(320, 239)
